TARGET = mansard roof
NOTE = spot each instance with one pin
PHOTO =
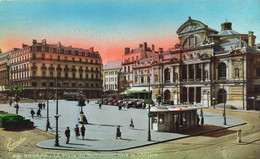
(113, 64)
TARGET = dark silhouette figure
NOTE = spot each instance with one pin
(39, 113)
(67, 133)
(83, 129)
(10, 103)
(201, 113)
(77, 132)
(131, 124)
(32, 113)
(43, 105)
(87, 101)
(119, 107)
(198, 120)
(202, 120)
(17, 108)
(100, 105)
(48, 126)
(118, 132)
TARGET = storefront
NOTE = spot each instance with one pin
(174, 119)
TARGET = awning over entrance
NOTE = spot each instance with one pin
(138, 90)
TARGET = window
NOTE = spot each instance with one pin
(222, 71)
(73, 59)
(34, 73)
(43, 56)
(66, 58)
(77, 53)
(236, 72)
(161, 118)
(58, 58)
(154, 118)
(83, 53)
(73, 75)
(51, 74)
(50, 57)
(133, 58)
(58, 74)
(54, 50)
(80, 76)
(66, 75)
(62, 51)
(86, 76)
(43, 73)
(258, 71)
(69, 52)
(91, 61)
(92, 76)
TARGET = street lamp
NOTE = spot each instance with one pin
(224, 101)
(48, 121)
(149, 131)
(57, 116)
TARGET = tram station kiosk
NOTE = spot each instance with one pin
(174, 118)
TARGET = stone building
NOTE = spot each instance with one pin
(42, 66)
(111, 73)
(207, 67)
(4, 58)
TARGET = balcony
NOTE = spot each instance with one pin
(80, 70)
(66, 69)
(51, 68)
(86, 70)
(59, 69)
(34, 67)
(74, 70)
(44, 68)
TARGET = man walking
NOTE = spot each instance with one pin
(100, 105)
(32, 113)
(77, 132)
(48, 125)
(67, 133)
(83, 129)
(118, 132)
(39, 113)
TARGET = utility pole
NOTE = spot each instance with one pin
(224, 101)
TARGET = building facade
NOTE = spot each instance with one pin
(40, 67)
(4, 75)
(207, 67)
(111, 73)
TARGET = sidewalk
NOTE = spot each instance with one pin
(101, 130)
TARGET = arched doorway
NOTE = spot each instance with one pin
(222, 96)
(167, 95)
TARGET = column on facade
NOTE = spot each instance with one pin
(202, 71)
(188, 94)
(195, 95)
(195, 76)
(188, 72)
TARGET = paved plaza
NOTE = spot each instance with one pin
(101, 130)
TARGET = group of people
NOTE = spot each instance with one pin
(40, 107)
(82, 130)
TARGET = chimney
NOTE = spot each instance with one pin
(145, 46)
(140, 45)
(251, 39)
(44, 42)
(23, 45)
(160, 50)
(34, 41)
(226, 26)
(127, 50)
(152, 47)
(91, 49)
(59, 44)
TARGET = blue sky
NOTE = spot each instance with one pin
(111, 25)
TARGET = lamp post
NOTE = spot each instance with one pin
(48, 121)
(57, 116)
(224, 101)
(149, 131)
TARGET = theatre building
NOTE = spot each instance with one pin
(43, 67)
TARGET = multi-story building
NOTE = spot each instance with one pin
(206, 68)
(131, 58)
(4, 58)
(111, 73)
(41, 67)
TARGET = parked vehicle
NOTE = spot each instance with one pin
(113, 101)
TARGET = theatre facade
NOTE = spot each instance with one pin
(206, 67)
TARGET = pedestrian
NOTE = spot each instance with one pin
(83, 129)
(77, 132)
(43, 105)
(88, 101)
(118, 132)
(201, 113)
(39, 105)
(32, 113)
(119, 107)
(100, 105)
(67, 133)
(198, 120)
(10, 103)
(48, 126)
(202, 120)
(17, 108)
(39, 113)
(131, 124)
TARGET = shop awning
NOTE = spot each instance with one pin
(138, 90)
(123, 93)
